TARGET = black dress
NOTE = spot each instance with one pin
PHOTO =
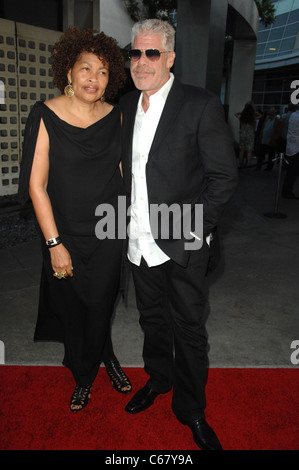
(83, 173)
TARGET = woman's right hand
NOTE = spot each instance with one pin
(61, 260)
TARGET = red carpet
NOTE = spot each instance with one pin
(250, 409)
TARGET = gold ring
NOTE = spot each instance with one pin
(60, 275)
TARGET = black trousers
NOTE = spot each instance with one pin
(263, 151)
(172, 303)
(292, 173)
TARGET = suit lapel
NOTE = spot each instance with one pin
(172, 106)
(130, 122)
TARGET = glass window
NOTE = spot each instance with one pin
(260, 49)
(257, 98)
(281, 20)
(276, 33)
(272, 98)
(263, 36)
(291, 30)
(272, 48)
(286, 97)
(258, 85)
(287, 84)
(272, 85)
(287, 44)
(294, 16)
(262, 27)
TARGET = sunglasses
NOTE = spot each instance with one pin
(151, 54)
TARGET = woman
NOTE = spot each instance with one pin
(247, 119)
(70, 165)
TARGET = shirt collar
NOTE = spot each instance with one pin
(161, 94)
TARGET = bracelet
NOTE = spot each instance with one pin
(53, 242)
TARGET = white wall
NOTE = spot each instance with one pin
(115, 21)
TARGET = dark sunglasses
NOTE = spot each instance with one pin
(151, 54)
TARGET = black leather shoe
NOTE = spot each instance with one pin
(142, 400)
(204, 436)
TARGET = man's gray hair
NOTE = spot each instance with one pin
(156, 26)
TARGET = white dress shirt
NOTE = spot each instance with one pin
(141, 241)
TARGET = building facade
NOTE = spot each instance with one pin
(216, 48)
(277, 59)
(25, 77)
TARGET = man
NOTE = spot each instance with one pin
(177, 152)
(292, 155)
(285, 124)
(269, 137)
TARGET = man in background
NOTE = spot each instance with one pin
(292, 155)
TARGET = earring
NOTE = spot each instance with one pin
(69, 90)
(102, 99)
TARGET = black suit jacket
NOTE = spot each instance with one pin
(191, 160)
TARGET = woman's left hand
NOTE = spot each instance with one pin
(61, 260)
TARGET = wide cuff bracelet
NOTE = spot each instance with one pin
(53, 242)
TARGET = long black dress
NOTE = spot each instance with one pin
(83, 173)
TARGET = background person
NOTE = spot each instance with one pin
(248, 118)
(292, 155)
(270, 135)
(285, 124)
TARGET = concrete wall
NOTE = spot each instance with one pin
(115, 21)
(25, 77)
(109, 16)
(243, 22)
(202, 27)
(200, 42)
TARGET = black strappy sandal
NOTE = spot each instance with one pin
(80, 398)
(117, 376)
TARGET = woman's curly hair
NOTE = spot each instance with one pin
(74, 41)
